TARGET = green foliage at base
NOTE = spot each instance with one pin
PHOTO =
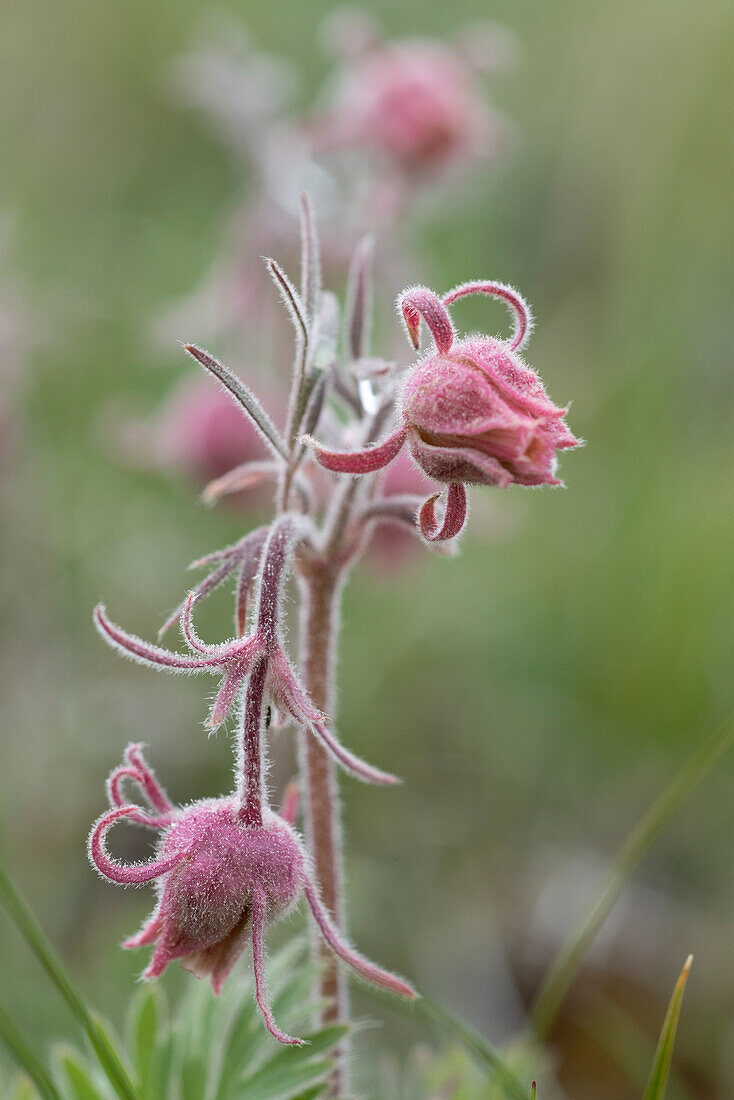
(207, 1047)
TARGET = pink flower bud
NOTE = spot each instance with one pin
(413, 102)
(221, 881)
(478, 415)
(471, 411)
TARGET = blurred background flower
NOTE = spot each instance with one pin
(590, 637)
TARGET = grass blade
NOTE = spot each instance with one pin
(658, 1082)
(25, 1058)
(571, 955)
(40, 945)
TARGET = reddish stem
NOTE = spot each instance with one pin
(321, 587)
(252, 723)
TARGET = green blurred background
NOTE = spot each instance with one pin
(536, 693)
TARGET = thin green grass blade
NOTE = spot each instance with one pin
(146, 1021)
(571, 955)
(658, 1082)
(532, 1091)
(474, 1043)
(22, 1088)
(40, 945)
(26, 1059)
(615, 1030)
(78, 1075)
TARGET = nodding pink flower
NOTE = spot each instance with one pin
(260, 652)
(473, 413)
(413, 102)
(221, 881)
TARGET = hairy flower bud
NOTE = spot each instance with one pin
(471, 411)
(220, 882)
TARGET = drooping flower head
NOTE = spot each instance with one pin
(224, 870)
(471, 411)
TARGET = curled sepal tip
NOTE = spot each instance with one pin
(133, 874)
(454, 516)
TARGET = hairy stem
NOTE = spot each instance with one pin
(320, 599)
(252, 722)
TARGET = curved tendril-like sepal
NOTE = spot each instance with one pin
(365, 461)
(258, 960)
(234, 649)
(419, 302)
(117, 798)
(367, 970)
(152, 655)
(131, 874)
(137, 769)
(286, 690)
(522, 315)
(357, 767)
(203, 589)
(454, 516)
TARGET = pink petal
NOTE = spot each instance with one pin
(465, 464)
(148, 933)
(216, 962)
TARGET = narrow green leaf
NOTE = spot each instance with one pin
(293, 1068)
(159, 1073)
(22, 1088)
(241, 1041)
(28, 926)
(571, 955)
(658, 1082)
(145, 1011)
(25, 1058)
(285, 1083)
(532, 1091)
(78, 1075)
(474, 1043)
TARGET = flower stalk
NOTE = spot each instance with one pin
(471, 413)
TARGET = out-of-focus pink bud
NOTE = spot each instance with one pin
(413, 102)
(199, 431)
